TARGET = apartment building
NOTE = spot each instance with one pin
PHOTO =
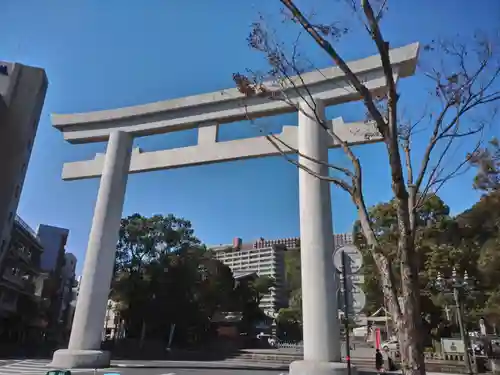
(68, 283)
(36, 299)
(266, 258)
(60, 266)
(22, 309)
(22, 94)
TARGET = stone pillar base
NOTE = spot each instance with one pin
(320, 368)
(68, 359)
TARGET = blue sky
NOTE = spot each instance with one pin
(105, 54)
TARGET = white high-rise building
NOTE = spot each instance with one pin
(265, 258)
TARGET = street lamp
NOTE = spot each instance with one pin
(458, 286)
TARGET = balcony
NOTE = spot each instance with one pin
(26, 227)
(25, 282)
(13, 278)
(22, 252)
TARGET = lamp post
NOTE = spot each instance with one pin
(458, 286)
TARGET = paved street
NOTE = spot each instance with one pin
(40, 367)
(26, 367)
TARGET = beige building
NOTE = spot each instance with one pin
(266, 258)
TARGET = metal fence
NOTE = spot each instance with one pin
(291, 345)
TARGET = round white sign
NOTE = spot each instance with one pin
(356, 300)
(354, 257)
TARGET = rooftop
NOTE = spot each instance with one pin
(261, 243)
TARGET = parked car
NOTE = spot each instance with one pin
(390, 345)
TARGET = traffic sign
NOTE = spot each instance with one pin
(354, 257)
(351, 280)
(356, 300)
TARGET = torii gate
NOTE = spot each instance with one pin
(206, 112)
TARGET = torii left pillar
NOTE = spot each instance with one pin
(84, 349)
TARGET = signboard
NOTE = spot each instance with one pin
(354, 257)
(356, 300)
(452, 346)
(349, 260)
(354, 279)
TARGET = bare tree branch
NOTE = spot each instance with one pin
(351, 77)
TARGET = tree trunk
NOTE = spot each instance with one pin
(407, 317)
(410, 322)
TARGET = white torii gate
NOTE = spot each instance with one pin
(206, 112)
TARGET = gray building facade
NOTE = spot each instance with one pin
(22, 94)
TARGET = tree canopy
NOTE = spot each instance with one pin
(165, 276)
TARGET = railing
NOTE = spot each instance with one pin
(293, 345)
(25, 225)
(15, 279)
(27, 228)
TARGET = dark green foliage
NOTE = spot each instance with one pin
(468, 242)
(487, 162)
(164, 276)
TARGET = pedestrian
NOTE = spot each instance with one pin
(379, 361)
(390, 363)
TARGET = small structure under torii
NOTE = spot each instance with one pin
(120, 126)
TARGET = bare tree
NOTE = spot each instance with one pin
(464, 85)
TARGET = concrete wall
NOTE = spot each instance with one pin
(22, 94)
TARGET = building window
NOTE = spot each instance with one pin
(30, 145)
(11, 216)
(23, 168)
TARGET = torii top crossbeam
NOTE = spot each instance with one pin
(230, 105)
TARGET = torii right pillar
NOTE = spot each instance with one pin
(319, 303)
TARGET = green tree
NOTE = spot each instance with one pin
(263, 285)
(164, 276)
(487, 163)
(292, 271)
(246, 299)
(158, 261)
(434, 228)
(289, 319)
(480, 229)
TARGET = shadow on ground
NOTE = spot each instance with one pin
(156, 350)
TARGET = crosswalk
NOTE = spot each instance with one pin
(41, 367)
(28, 367)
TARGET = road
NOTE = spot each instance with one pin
(40, 367)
